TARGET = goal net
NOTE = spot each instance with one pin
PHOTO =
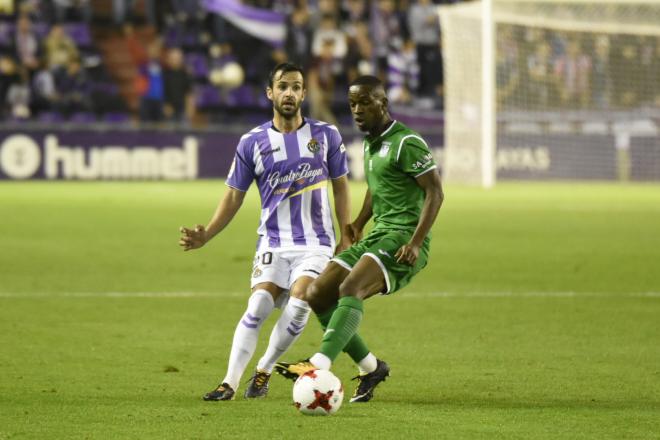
(551, 89)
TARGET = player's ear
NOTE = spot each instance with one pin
(304, 94)
(269, 93)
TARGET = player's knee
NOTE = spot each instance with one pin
(357, 289)
(313, 293)
(349, 288)
(299, 292)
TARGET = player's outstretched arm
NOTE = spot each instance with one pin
(227, 208)
(341, 194)
(430, 183)
(355, 228)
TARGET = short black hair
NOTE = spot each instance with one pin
(367, 80)
(284, 68)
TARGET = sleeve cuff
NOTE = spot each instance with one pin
(337, 177)
(235, 187)
(426, 171)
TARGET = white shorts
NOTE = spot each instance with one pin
(283, 268)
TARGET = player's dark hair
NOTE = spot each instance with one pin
(367, 80)
(374, 85)
(285, 67)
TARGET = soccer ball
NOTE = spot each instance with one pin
(318, 392)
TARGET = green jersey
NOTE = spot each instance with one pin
(392, 161)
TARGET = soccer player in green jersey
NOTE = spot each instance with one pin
(404, 196)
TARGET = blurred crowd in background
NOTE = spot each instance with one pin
(48, 62)
(190, 61)
(542, 69)
(58, 60)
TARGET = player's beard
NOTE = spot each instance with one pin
(290, 111)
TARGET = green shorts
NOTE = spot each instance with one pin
(381, 245)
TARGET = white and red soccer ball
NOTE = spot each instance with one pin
(318, 392)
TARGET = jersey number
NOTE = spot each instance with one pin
(266, 258)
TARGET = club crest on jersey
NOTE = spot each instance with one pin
(313, 146)
(384, 149)
(257, 273)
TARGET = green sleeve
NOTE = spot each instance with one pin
(414, 157)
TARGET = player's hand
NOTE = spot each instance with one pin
(192, 238)
(407, 254)
(352, 233)
(343, 244)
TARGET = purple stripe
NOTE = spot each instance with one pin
(296, 220)
(317, 218)
(247, 12)
(268, 199)
(248, 325)
(252, 318)
(292, 333)
(296, 327)
(291, 145)
(272, 229)
(293, 155)
(320, 132)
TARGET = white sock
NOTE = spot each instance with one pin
(321, 361)
(368, 364)
(259, 307)
(285, 333)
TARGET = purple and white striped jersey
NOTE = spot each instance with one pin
(292, 172)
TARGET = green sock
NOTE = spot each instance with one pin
(356, 348)
(342, 327)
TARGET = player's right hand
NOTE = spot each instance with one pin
(343, 243)
(192, 238)
(353, 232)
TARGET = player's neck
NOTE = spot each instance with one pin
(287, 125)
(384, 125)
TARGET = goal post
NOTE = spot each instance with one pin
(469, 112)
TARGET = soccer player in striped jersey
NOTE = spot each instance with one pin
(292, 159)
(404, 196)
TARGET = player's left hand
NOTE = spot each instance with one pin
(352, 232)
(407, 254)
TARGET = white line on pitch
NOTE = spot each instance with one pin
(121, 295)
(532, 295)
(401, 295)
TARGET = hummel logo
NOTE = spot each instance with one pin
(382, 252)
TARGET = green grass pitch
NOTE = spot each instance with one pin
(537, 317)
